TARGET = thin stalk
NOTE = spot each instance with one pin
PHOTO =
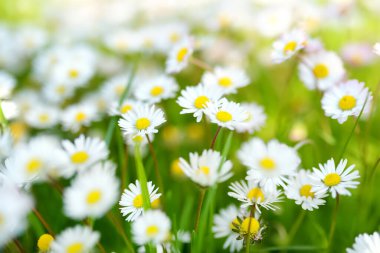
(3, 119)
(18, 246)
(293, 231)
(121, 232)
(333, 220)
(248, 238)
(201, 64)
(215, 137)
(199, 209)
(142, 178)
(122, 156)
(43, 221)
(155, 162)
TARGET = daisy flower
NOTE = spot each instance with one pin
(255, 120)
(223, 228)
(270, 164)
(227, 79)
(346, 99)
(206, 169)
(226, 113)
(84, 152)
(179, 56)
(114, 87)
(75, 239)
(321, 70)
(44, 242)
(194, 99)
(7, 84)
(132, 202)
(376, 48)
(365, 243)
(125, 107)
(250, 193)
(57, 92)
(336, 180)
(42, 116)
(301, 188)
(142, 119)
(357, 54)
(76, 116)
(92, 193)
(247, 226)
(160, 88)
(152, 227)
(288, 45)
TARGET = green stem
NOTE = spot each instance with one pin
(142, 178)
(215, 136)
(3, 119)
(296, 226)
(333, 221)
(248, 238)
(155, 163)
(199, 209)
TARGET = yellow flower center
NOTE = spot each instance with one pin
(75, 248)
(290, 46)
(320, 71)
(174, 37)
(119, 89)
(138, 138)
(305, 191)
(43, 118)
(80, 116)
(152, 230)
(34, 165)
(332, 179)
(142, 123)
(73, 73)
(225, 81)
(204, 170)
(267, 163)
(44, 242)
(79, 157)
(125, 108)
(60, 89)
(223, 116)
(250, 225)
(181, 54)
(94, 197)
(156, 91)
(200, 102)
(176, 169)
(347, 102)
(138, 201)
(256, 194)
(156, 203)
(234, 223)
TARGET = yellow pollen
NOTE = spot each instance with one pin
(204, 169)
(156, 91)
(138, 201)
(142, 123)
(34, 165)
(79, 157)
(181, 54)
(152, 230)
(156, 203)
(119, 89)
(94, 197)
(73, 73)
(250, 225)
(75, 248)
(176, 168)
(138, 138)
(267, 163)
(332, 179)
(256, 194)
(305, 191)
(223, 116)
(200, 102)
(290, 47)
(225, 81)
(234, 223)
(125, 108)
(174, 37)
(80, 116)
(43, 118)
(60, 89)
(347, 102)
(320, 71)
(44, 242)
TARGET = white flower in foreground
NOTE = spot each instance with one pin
(92, 193)
(157, 89)
(194, 99)
(152, 227)
(226, 113)
(346, 99)
(83, 153)
(15, 205)
(252, 194)
(132, 202)
(142, 119)
(223, 228)
(179, 56)
(76, 116)
(226, 79)
(75, 239)
(288, 45)
(376, 48)
(301, 188)
(365, 243)
(270, 164)
(321, 70)
(203, 169)
(255, 120)
(7, 84)
(336, 180)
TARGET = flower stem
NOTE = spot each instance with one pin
(120, 230)
(296, 226)
(199, 209)
(43, 221)
(201, 64)
(333, 220)
(155, 162)
(248, 238)
(3, 119)
(215, 137)
(142, 178)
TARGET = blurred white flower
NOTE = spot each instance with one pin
(7, 84)
(76, 116)
(255, 120)
(179, 56)
(154, 90)
(365, 243)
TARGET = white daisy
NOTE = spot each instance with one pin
(76, 116)
(75, 239)
(288, 45)
(57, 92)
(92, 193)
(139, 139)
(223, 228)
(157, 89)
(321, 70)
(206, 169)
(255, 120)
(152, 227)
(114, 87)
(7, 84)
(83, 153)
(179, 56)
(227, 79)
(301, 189)
(365, 243)
(124, 108)
(142, 119)
(42, 116)
(336, 180)
(226, 113)
(194, 99)
(357, 54)
(270, 164)
(346, 99)
(376, 48)
(132, 202)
